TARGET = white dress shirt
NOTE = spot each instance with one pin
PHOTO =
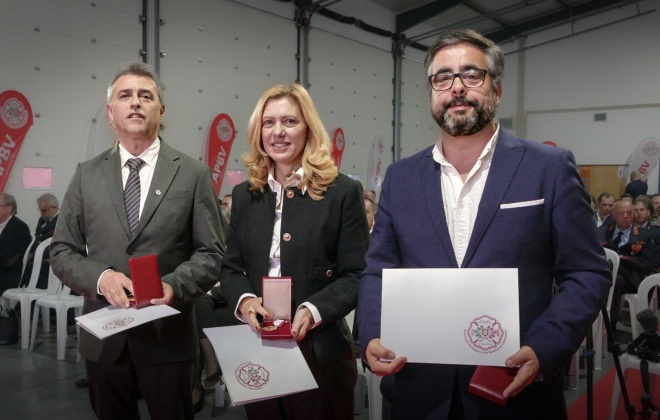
(149, 156)
(461, 199)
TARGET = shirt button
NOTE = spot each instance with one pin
(286, 237)
(328, 273)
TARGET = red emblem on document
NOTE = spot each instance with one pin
(485, 334)
(252, 375)
(118, 323)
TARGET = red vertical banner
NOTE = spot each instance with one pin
(15, 121)
(221, 138)
(338, 145)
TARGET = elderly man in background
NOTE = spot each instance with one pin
(49, 209)
(14, 239)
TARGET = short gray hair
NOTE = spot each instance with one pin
(137, 69)
(48, 199)
(9, 200)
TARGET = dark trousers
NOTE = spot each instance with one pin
(115, 388)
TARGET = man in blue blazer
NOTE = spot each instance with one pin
(481, 198)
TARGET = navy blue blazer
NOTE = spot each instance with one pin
(550, 242)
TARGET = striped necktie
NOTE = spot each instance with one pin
(132, 192)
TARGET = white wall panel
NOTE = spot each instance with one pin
(61, 55)
(351, 85)
(216, 62)
(419, 130)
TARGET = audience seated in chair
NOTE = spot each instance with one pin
(635, 247)
(49, 209)
(14, 239)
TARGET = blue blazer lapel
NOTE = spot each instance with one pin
(430, 173)
(166, 169)
(506, 159)
(112, 174)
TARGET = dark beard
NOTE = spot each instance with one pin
(465, 125)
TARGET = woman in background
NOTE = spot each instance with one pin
(297, 216)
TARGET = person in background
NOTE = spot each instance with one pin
(297, 216)
(49, 209)
(605, 204)
(636, 186)
(226, 201)
(370, 209)
(642, 210)
(655, 217)
(636, 250)
(594, 203)
(138, 198)
(627, 197)
(481, 198)
(15, 237)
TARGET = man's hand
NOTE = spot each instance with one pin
(374, 352)
(168, 295)
(303, 321)
(529, 370)
(112, 285)
(249, 308)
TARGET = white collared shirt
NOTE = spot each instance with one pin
(150, 157)
(461, 199)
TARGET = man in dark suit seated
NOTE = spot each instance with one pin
(635, 247)
(14, 240)
(642, 211)
(49, 210)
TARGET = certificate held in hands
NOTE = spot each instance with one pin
(146, 280)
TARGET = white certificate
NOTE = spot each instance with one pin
(254, 369)
(462, 316)
(111, 319)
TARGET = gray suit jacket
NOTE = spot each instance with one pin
(180, 223)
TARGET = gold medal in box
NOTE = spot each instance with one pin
(276, 294)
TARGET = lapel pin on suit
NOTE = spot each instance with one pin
(157, 192)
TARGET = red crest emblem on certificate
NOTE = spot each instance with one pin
(118, 323)
(252, 375)
(485, 334)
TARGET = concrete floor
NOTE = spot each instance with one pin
(35, 385)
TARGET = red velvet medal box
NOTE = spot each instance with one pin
(276, 299)
(146, 280)
(491, 381)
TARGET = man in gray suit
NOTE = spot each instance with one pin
(170, 210)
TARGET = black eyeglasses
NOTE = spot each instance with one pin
(471, 78)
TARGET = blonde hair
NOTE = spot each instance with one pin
(318, 166)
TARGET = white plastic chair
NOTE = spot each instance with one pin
(634, 300)
(27, 255)
(372, 385)
(598, 329)
(25, 295)
(61, 301)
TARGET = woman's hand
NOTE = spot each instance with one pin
(303, 321)
(249, 308)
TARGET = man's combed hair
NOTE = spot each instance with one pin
(318, 166)
(137, 69)
(494, 54)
